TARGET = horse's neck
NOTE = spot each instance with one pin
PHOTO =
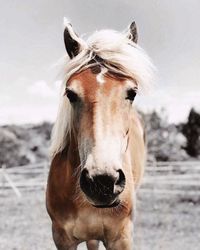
(62, 181)
(66, 161)
(63, 173)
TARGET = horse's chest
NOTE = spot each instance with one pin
(86, 226)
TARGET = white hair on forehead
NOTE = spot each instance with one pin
(119, 55)
(127, 57)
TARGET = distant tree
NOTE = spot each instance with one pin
(10, 150)
(21, 145)
(164, 141)
(191, 131)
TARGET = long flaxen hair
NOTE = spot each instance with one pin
(113, 51)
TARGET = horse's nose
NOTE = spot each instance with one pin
(102, 189)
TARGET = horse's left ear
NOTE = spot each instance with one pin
(132, 32)
(73, 43)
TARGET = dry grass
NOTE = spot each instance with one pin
(161, 223)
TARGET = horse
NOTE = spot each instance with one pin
(98, 142)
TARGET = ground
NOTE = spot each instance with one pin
(165, 222)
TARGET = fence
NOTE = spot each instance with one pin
(25, 177)
(178, 178)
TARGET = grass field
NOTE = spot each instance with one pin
(162, 222)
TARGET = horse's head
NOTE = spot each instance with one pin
(99, 93)
(101, 106)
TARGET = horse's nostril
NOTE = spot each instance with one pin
(120, 181)
(84, 175)
(85, 180)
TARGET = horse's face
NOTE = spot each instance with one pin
(101, 107)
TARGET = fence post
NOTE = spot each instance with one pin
(10, 182)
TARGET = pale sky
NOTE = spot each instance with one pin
(32, 42)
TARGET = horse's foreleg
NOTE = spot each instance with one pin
(67, 248)
(92, 244)
(125, 244)
(123, 241)
(61, 239)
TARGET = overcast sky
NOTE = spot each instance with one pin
(32, 41)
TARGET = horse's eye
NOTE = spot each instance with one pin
(71, 95)
(131, 93)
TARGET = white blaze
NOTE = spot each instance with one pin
(100, 76)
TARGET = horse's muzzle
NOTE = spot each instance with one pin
(102, 191)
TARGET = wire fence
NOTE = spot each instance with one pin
(178, 178)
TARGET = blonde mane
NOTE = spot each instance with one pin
(119, 55)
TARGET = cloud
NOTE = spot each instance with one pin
(42, 89)
(28, 102)
(27, 114)
(175, 100)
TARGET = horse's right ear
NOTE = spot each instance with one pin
(73, 43)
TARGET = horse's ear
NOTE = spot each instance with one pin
(73, 43)
(132, 32)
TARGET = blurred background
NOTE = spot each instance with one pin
(31, 45)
